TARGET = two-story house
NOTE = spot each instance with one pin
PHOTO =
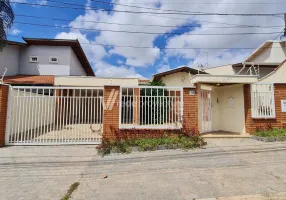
(39, 61)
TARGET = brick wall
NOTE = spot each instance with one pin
(111, 112)
(3, 112)
(190, 109)
(111, 116)
(279, 121)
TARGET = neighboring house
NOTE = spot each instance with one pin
(38, 61)
(261, 62)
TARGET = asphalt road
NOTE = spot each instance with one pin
(230, 169)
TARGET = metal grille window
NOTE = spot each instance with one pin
(151, 107)
(262, 101)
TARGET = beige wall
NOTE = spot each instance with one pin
(232, 119)
(274, 53)
(177, 79)
(225, 118)
(94, 81)
(278, 76)
(222, 70)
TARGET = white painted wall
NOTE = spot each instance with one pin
(177, 79)
(9, 58)
(275, 53)
(95, 81)
(43, 53)
(231, 119)
(75, 67)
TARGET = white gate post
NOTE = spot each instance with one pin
(9, 114)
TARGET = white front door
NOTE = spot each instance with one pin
(206, 111)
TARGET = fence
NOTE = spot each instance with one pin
(262, 101)
(54, 115)
(151, 107)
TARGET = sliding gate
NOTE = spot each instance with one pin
(54, 115)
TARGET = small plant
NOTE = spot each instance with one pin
(72, 188)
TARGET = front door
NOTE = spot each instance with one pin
(206, 111)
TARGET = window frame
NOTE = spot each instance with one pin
(53, 62)
(31, 59)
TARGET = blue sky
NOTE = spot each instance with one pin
(132, 62)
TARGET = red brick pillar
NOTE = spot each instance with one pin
(136, 106)
(190, 114)
(4, 91)
(111, 111)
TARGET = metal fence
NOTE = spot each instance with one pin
(54, 115)
(262, 101)
(151, 107)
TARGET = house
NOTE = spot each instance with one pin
(252, 91)
(78, 108)
(39, 61)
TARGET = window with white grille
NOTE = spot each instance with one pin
(34, 59)
(262, 101)
(54, 59)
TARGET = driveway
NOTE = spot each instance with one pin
(227, 168)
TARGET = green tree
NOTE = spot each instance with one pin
(6, 21)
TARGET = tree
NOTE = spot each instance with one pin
(6, 21)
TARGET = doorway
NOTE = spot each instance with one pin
(206, 111)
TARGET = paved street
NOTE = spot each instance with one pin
(226, 169)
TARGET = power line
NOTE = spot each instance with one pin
(165, 48)
(145, 12)
(148, 33)
(127, 4)
(150, 25)
(185, 2)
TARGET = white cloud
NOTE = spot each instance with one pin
(42, 2)
(136, 57)
(14, 31)
(94, 52)
(163, 68)
(206, 42)
(106, 70)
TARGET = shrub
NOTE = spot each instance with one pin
(149, 144)
(271, 133)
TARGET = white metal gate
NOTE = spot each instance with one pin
(206, 111)
(54, 115)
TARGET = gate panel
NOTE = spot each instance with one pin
(55, 115)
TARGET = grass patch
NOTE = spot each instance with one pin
(150, 144)
(274, 133)
(72, 188)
